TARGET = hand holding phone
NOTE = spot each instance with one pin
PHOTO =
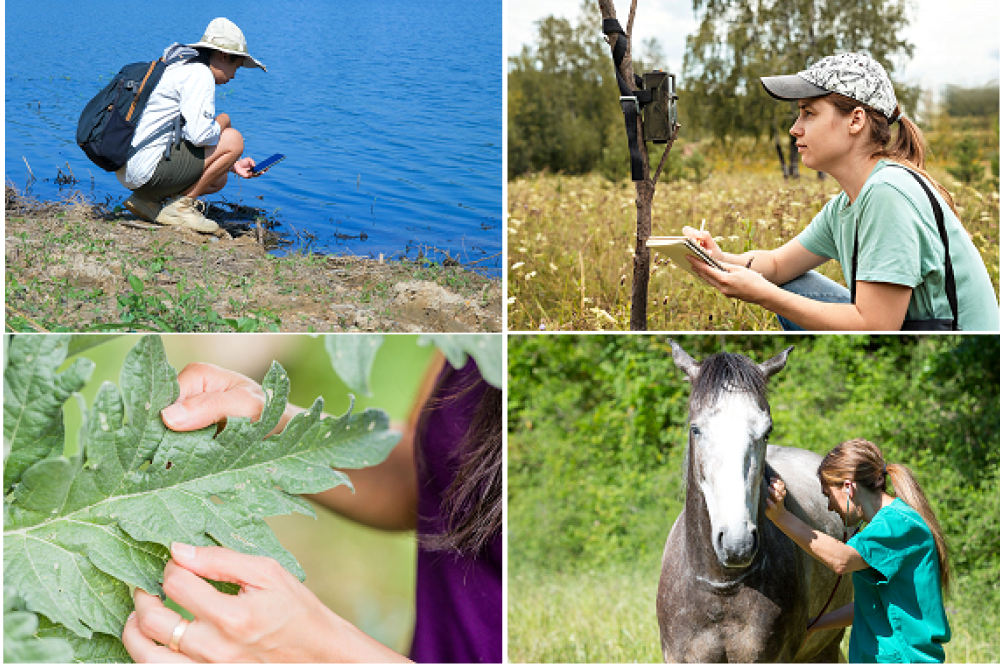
(261, 167)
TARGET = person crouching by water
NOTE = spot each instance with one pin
(898, 563)
(882, 228)
(182, 149)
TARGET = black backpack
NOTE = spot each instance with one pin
(108, 122)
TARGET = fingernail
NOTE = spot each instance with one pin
(174, 415)
(184, 551)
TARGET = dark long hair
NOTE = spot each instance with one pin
(473, 503)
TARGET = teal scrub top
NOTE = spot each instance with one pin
(898, 609)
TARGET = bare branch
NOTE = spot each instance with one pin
(666, 152)
(631, 21)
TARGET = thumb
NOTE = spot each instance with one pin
(221, 564)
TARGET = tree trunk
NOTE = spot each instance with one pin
(781, 154)
(644, 191)
(793, 158)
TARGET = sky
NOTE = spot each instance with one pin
(956, 41)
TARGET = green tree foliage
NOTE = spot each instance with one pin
(596, 432)
(974, 101)
(79, 530)
(561, 98)
(739, 41)
(969, 168)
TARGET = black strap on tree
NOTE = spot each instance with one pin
(950, 289)
(632, 101)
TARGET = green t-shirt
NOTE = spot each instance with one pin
(898, 242)
(898, 610)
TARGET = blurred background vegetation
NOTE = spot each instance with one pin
(564, 116)
(366, 576)
(596, 429)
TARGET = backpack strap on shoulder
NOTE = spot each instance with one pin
(142, 85)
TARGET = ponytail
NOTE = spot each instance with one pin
(909, 491)
(909, 148)
(861, 461)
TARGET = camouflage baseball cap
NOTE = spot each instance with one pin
(854, 75)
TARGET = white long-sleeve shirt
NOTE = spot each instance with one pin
(187, 89)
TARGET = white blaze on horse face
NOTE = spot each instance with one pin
(731, 449)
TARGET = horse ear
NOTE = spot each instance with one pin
(684, 361)
(772, 366)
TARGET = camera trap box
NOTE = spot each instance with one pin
(659, 116)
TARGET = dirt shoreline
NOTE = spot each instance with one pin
(72, 266)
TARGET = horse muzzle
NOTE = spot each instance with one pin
(736, 548)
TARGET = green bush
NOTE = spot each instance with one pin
(969, 168)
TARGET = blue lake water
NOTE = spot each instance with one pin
(389, 112)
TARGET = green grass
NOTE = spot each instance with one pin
(596, 617)
(571, 239)
(610, 617)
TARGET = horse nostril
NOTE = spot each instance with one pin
(719, 539)
(753, 536)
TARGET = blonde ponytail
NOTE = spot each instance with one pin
(908, 490)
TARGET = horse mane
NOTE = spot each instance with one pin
(727, 373)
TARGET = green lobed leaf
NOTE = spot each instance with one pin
(22, 641)
(33, 396)
(78, 531)
(100, 648)
(486, 349)
(352, 357)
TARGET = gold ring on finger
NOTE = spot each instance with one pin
(175, 638)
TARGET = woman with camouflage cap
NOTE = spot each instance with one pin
(909, 261)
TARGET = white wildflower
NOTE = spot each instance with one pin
(604, 315)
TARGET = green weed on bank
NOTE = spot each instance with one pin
(571, 241)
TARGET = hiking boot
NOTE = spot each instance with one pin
(144, 209)
(186, 212)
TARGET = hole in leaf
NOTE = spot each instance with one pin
(145, 465)
(170, 464)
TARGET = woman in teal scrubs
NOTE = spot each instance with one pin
(898, 563)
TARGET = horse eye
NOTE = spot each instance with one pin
(695, 431)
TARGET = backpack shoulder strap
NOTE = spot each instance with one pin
(135, 100)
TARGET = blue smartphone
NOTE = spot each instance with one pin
(269, 162)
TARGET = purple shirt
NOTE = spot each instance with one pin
(459, 598)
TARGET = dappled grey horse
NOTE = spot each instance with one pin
(733, 587)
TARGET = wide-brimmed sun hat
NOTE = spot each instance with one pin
(854, 75)
(223, 35)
